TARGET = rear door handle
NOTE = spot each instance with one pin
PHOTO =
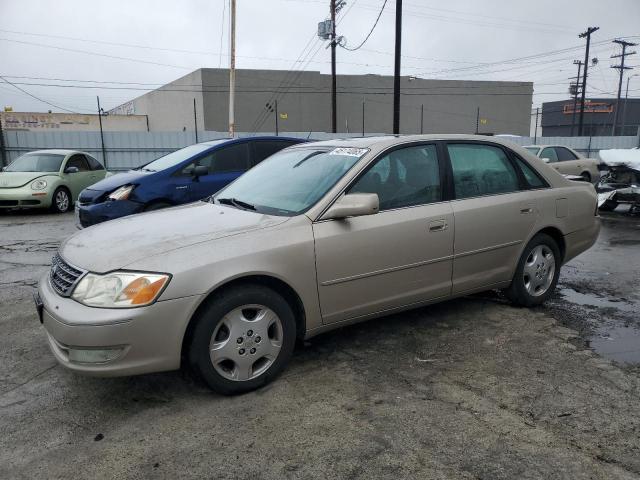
(438, 226)
(525, 211)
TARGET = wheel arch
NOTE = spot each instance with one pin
(557, 235)
(278, 285)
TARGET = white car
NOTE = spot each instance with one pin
(567, 161)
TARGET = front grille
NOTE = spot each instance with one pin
(63, 277)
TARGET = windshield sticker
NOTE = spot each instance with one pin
(348, 151)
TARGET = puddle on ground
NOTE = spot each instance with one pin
(621, 344)
(617, 342)
(593, 301)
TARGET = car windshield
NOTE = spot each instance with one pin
(533, 150)
(36, 162)
(291, 181)
(174, 158)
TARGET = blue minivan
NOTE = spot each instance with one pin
(184, 176)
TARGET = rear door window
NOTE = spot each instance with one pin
(480, 170)
(564, 154)
(530, 175)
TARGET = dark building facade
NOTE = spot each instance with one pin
(558, 117)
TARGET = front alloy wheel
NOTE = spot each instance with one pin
(61, 201)
(242, 338)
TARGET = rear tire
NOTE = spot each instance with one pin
(61, 200)
(242, 339)
(586, 176)
(537, 272)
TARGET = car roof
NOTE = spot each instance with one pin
(218, 141)
(384, 141)
(60, 151)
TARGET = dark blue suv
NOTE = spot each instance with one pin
(184, 176)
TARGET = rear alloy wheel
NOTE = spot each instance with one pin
(243, 339)
(537, 272)
(61, 201)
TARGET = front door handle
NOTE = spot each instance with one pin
(526, 211)
(438, 226)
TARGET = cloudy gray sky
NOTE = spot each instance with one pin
(125, 46)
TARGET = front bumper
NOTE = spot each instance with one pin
(93, 213)
(24, 197)
(149, 339)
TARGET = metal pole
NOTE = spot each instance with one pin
(535, 132)
(276, 112)
(624, 108)
(575, 98)
(363, 118)
(422, 118)
(396, 73)
(334, 100)
(104, 152)
(586, 34)
(195, 120)
(232, 71)
(477, 120)
(3, 152)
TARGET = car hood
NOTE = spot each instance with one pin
(118, 243)
(112, 182)
(19, 179)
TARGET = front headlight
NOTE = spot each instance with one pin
(121, 193)
(120, 289)
(39, 185)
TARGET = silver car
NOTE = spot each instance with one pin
(316, 237)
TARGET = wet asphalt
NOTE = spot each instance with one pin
(470, 389)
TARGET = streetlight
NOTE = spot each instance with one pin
(624, 108)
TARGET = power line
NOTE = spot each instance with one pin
(37, 98)
(224, 6)
(370, 31)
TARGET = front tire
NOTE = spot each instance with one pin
(243, 338)
(61, 200)
(537, 272)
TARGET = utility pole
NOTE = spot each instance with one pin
(575, 85)
(422, 118)
(626, 97)
(622, 68)
(3, 153)
(396, 73)
(232, 71)
(586, 35)
(104, 152)
(535, 132)
(363, 114)
(477, 120)
(334, 100)
(276, 112)
(195, 120)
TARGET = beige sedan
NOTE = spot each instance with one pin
(567, 161)
(316, 237)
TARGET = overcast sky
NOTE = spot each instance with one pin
(72, 43)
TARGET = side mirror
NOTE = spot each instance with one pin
(353, 205)
(71, 170)
(545, 160)
(200, 171)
